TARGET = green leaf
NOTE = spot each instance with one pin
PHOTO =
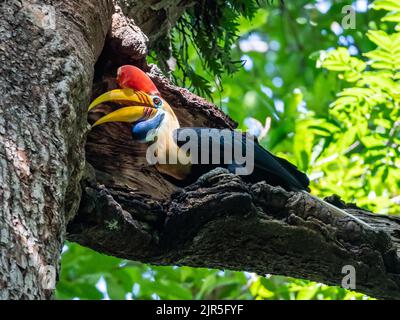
(389, 5)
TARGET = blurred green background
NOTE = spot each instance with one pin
(322, 96)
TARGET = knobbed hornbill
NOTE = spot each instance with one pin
(154, 122)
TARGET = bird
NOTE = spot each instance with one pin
(153, 122)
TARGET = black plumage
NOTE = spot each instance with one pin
(274, 170)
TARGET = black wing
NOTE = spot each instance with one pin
(268, 167)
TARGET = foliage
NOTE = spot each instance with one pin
(288, 84)
(283, 288)
(366, 116)
(89, 275)
(210, 28)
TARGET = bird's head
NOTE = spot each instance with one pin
(144, 107)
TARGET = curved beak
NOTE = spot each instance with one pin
(142, 107)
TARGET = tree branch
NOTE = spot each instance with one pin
(222, 222)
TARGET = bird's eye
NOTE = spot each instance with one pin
(157, 102)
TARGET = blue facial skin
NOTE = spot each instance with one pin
(141, 129)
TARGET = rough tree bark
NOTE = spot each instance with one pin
(47, 53)
(127, 209)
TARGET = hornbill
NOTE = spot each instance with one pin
(154, 122)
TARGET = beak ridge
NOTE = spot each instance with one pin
(142, 110)
(123, 96)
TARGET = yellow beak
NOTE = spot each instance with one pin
(142, 110)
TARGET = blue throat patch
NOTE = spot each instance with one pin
(142, 128)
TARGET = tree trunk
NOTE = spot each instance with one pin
(126, 208)
(47, 53)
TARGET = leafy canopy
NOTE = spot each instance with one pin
(210, 28)
(366, 115)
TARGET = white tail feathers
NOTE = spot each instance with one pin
(339, 211)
